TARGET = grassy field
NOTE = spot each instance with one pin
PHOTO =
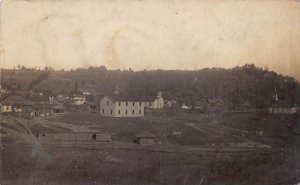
(37, 164)
(196, 129)
(32, 162)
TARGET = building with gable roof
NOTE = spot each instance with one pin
(15, 104)
(117, 105)
(145, 138)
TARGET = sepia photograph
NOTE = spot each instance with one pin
(149, 92)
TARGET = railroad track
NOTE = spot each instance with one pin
(153, 148)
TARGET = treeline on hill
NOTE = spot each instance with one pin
(234, 86)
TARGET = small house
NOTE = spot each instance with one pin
(212, 103)
(103, 137)
(282, 110)
(86, 92)
(215, 105)
(4, 91)
(43, 108)
(154, 102)
(62, 98)
(30, 113)
(145, 138)
(186, 107)
(17, 102)
(13, 104)
(6, 107)
(280, 107)
(172, 103)
(58, 109)
(51, 99)
(93, 106)
(27, 105)
(79, 100)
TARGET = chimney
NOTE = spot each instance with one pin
(116, 90)
(276, 95)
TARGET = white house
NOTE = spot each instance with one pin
(79, 100)
(51, 99)
(281, 107)
(86, 92)
(5, 107)
(154, 102)
(123, 106)
(15, 104)
(185, 107)
(282, 110)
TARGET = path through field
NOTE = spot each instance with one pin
(225, 134)
(53, 124)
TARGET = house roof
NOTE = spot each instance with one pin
(145, 134)
(17, 100)
(119, 97)
(282, 104)
(29, 110)
(28, 103)
(92, 103)
(58, 106)
(214, 101)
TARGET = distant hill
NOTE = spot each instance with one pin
(235, 86)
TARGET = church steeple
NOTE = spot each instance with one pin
(276, 95)
(159, 93)
(116, 90)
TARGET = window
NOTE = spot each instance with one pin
(140, 111)
(140, 103)
(132, 103)
(119, 103)
(126, 103)
(107, 103)
(132, 111)
(126, 112)
(111, 111)
(102, 111)
(119, 112)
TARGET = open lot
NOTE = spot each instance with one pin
(194, 129)
(208, 151)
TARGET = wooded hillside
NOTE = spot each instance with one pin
(234, 86)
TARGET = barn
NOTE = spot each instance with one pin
(145, 138)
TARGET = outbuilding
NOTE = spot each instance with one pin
(6, 107)
(58, 109)
(145, 138)
(93, 106)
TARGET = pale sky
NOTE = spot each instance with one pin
(151, 34)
